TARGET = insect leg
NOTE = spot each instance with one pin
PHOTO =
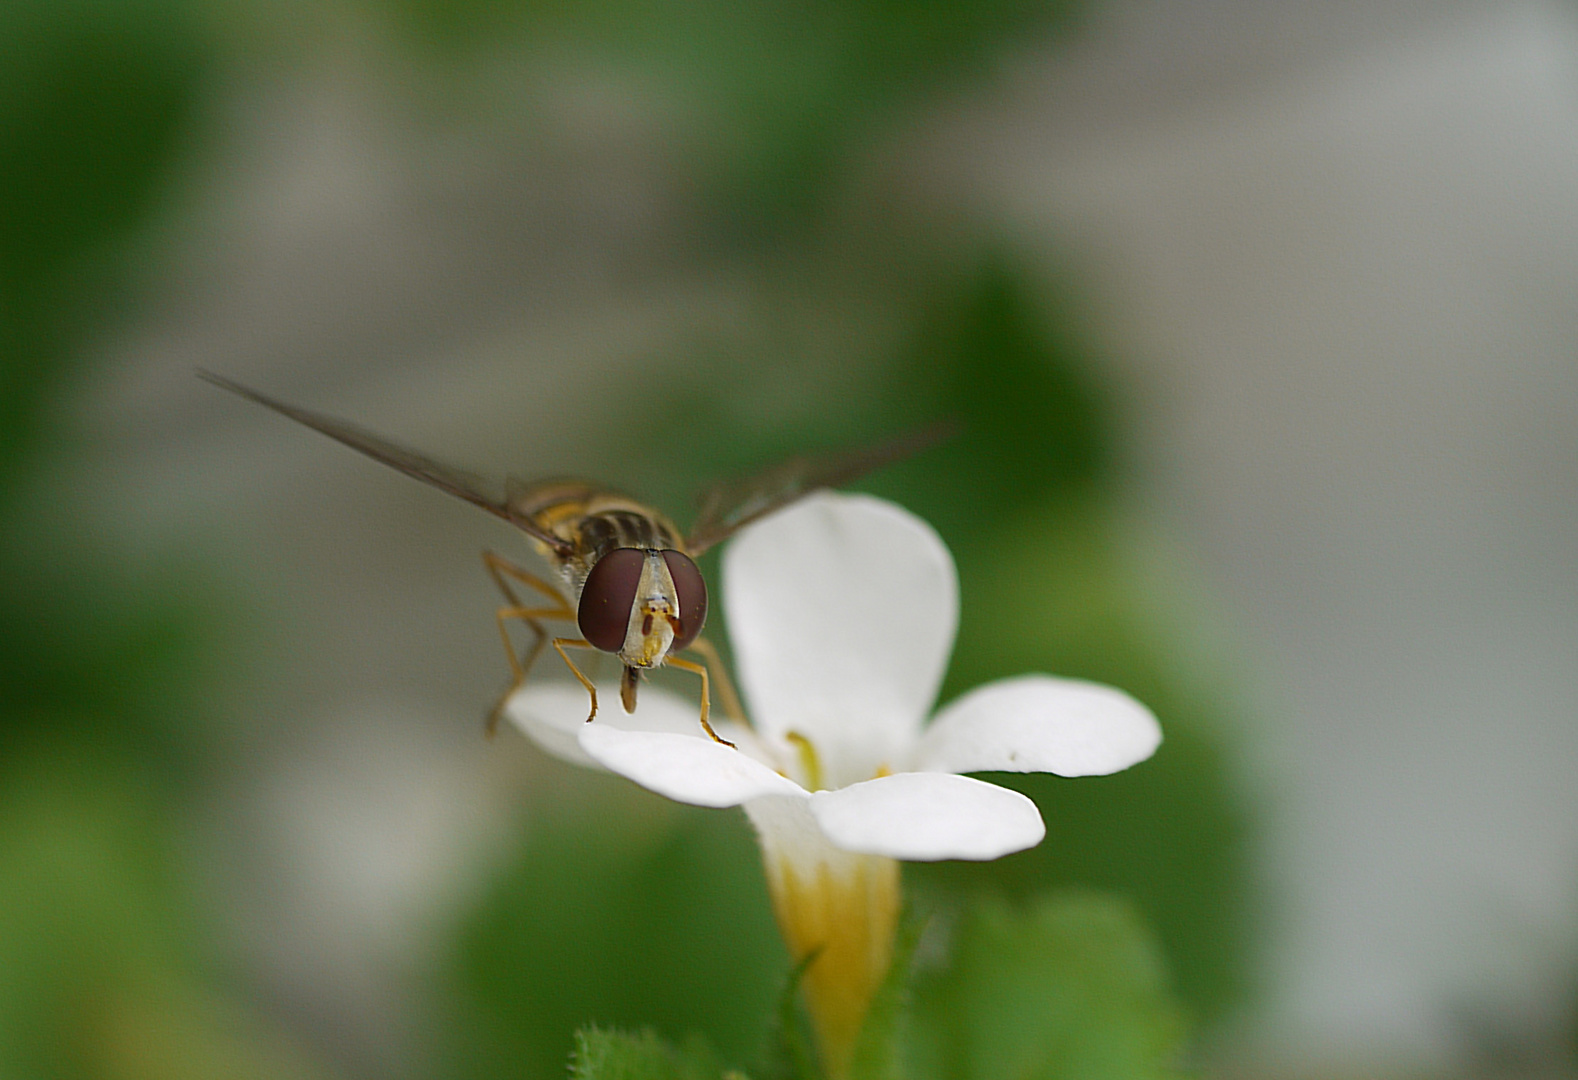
(577, 643)
(700, 669)
(500, 570)
(731, 700)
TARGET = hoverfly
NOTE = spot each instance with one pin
(628, 576)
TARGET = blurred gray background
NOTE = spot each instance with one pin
(1330, 252)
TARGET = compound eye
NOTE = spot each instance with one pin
(608, 597)
(691, 592)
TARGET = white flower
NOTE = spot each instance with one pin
(842, 611)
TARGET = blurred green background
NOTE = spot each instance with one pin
(248, 824)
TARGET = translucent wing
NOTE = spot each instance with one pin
(460, 484)
(729, 506)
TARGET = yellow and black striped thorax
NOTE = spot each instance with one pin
(595, 520)
(621, 527)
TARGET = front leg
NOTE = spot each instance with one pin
(700, 669)
(731, 700)
(577, 643)
(501, 570)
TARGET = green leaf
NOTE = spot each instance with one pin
(103, 953)
(781, 93)
(620, 908)
(98, 100)
(1015, 364)
(602, 1054)
(1072, 988)
(791, 1051)
(878, 1051)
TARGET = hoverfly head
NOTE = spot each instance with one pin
(642, 604)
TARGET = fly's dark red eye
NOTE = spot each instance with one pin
(608, 596)
(691, 591)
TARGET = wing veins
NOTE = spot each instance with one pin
(727, 507)
(455, 482)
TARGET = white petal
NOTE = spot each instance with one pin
(686, 768)
(788, 830)
(1035, 723)
(554, 713)
(923, 817)
(842, 610)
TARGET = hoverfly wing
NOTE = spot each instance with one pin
(727, 507)
(454, 481)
